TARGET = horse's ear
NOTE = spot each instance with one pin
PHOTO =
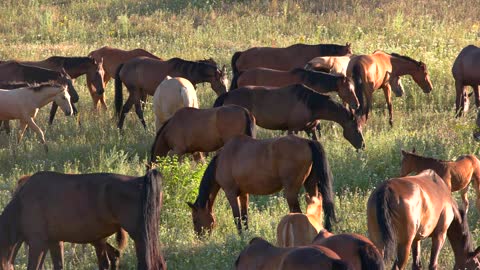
(192, 206)
(403, 152)
(348, 44)
(308, 199)
(414, 150)
(224, 69)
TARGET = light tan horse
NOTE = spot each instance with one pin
(457, 174)
(171, 95)
(466, 72)
(330, 64)
(23, 104)
(297, 229)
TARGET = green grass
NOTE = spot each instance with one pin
(433, 32)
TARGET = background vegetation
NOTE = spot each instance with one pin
(431, 31)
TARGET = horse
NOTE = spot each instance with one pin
(142, 76)
(108, 256)
(293, 108)
(371, 72)
(23, 104)
(192, 130)
(45, 211)
(249, 166)
(465, 71)
(457, 174)
(110, 58)
(330, 64)
(261, 255)
(318, 81)
(297, 229)
(294, 56)
(353, 248)
(402, 211)
(171, 95)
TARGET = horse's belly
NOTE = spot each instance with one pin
(83, 232)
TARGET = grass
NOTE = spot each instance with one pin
(433, 32)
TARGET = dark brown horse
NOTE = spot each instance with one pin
(371, 72)
(457, 174)
(466, 72)
(354, 248)
(261, 255)
(142, 75)
(319, 81)
(192, 130)
(111, 58)
(403, 211)
(295, 56)
(248, 166)
(52, 207)
(293, 108)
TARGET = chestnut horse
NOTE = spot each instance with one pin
(293, 108)
(402, 211)
(353, 248)
(295, 56)
(466, 72)
(261, 255)
(192, 130)
(111, 58)
(246, 165)
(297, 229)
(371, 72)
(319, 81)
(457, 174)
(45, 211)
(142, 76)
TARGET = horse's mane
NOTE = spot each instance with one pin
(187, 66)
(69, 62)
(426, 158)
(402, 57)
(310, 98)
(39, 86)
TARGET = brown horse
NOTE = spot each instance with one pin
(295, 56)
(466, 71)
(293, 108)
(246, 165)
(457, 174)
(192, 130)
(261, 255)
(142, 75)
(353, 248)
(319, 81)
(52, 207)
(111, 58)
(402, 211)
(371, 72)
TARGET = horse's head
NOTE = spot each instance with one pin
(346, 91)
(407, 163)
(203, 219)
(63, 100)
(314, 205)
(220, 81)
(96, 76)
(348, 48)
(66, 79)
(352, 131)
(422, 78)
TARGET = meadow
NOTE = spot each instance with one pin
(431, 31)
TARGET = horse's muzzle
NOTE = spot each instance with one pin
(68, 113)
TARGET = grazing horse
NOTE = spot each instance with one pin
(457, 174)
(246, 165)
(371, 72)
(293, 108)
(319, 81)
(295, 56)
(330, 64)
(111, 58)
(402, 211)
(23, 104)
(142, 76)
(192, 130)
(466, 71)
(171, 95)
(353, 248)
(261, 255)
(45, 211)
(297, 229)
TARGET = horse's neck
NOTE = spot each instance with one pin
(44, 96)
(423, 163)
(457, 241)
(328, 83)
(331, 112)
(401, 66)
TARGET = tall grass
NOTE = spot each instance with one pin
(433, 32)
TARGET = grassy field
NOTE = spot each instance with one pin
(431, 31)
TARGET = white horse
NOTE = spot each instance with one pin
(23, 104)
(172, 94)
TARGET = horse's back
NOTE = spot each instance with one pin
(310, 258)
(296, 229)
(466, 67)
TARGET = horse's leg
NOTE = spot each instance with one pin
(35, 128)
(476, 92)
(56, 252)
(139, 111)
(459, 99)
(102, 255)
(143, 101)
(464, 196)
(388, 98)
(438, 239)
(233, 200)
(36, 252)
(113, 256)
(403, 250)
(476, 187)
(126, 108)
(244, 209)
(53, 111)
(198, 157)
(21, 130)
(416, 261)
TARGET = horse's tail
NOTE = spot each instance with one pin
(250, 124)
(122, 239)
(358, 83)
(370, 258)
(159, 142)
(235, 72)
(151, 203)
(10, 224)
(384, 219)
(321, 170)
(220, 100)
(118, 90)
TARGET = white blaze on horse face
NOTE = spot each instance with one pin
(63, 101)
